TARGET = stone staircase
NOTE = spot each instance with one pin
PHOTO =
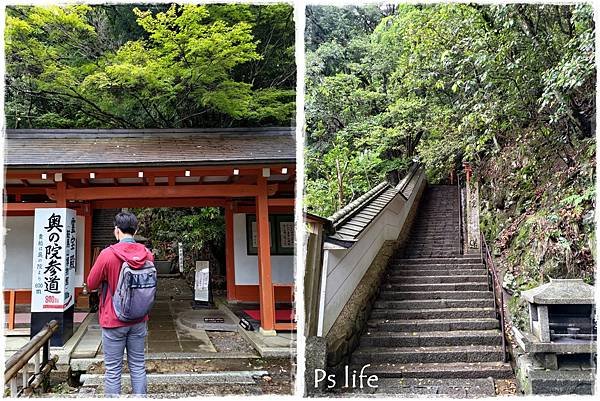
(433, 330)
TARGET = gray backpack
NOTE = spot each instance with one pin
(135, 293)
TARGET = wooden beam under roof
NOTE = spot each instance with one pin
(129, 172)
(31, 190)
(177, 191)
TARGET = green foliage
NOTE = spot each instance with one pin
(194, 227)
(447, 83)
(540, 211)
(174, 66)
(519, 314)
(200, 230)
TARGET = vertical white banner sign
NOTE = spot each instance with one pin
(72, 258)
(201, 282)
(180, 256)
(54, 260)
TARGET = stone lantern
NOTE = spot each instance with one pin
(561, 344)
(561, 310)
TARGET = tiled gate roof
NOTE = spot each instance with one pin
(42, 148)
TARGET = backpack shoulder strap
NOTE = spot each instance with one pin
(122, 261)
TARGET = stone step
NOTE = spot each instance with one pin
(434, 239)
(177, 391)
(433, 247)
(438, 229)
(437, 221)
(437, 261)
(420, 242)
(431, 253)
(184, 383)
(476, 353)
(438, 287)
(433, 324)
(434, 304)
(445, 313)
(454, 249)
(435, 232)
(228, 377)
(456, 370)
(441, 216)
(438, 279)
(399, 272)
(398, 266)
(431, 339)
(415, 235)
(448, 206)
(435, 218)
(440, 221)
(449, 210)
(450, 245)
(413, 387)
(388, 294)
(444, 206)
(447, 243)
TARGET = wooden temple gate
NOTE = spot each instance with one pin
(241, 171)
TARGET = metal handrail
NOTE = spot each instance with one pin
(21, 358)
(489, 262)
(460, 215)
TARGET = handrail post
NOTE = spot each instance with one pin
(36, 362)
(25, 376)
(14, 387)
(46, 352)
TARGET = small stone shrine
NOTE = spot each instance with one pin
(560, 347)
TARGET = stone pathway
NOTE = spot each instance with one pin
(433, 329)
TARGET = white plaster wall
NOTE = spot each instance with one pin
(246, 266)
(18, 265)
(346, 267)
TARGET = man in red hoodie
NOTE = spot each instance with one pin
(117, 335)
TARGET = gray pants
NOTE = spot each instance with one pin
(114, 342)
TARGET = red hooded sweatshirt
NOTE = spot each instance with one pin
(107, 269)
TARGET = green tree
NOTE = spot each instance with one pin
(508, 88)
(152, 66)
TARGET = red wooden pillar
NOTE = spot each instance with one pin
(229, 252)
(61, 198)
(11, 309)
(265, 282)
